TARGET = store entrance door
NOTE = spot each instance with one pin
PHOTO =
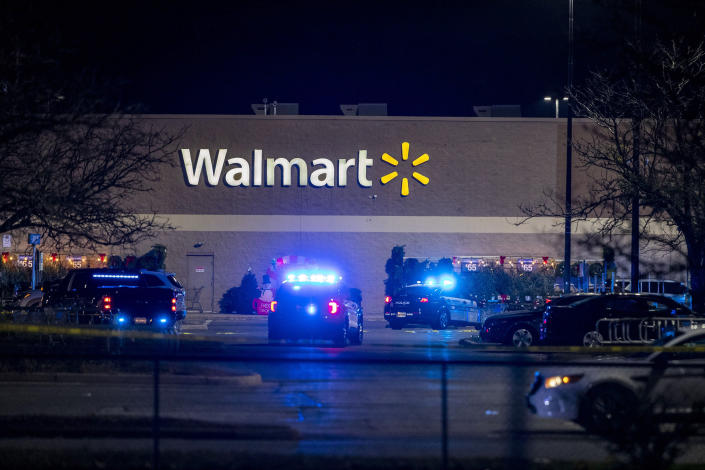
(199, 283)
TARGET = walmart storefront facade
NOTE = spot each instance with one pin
(246, 190)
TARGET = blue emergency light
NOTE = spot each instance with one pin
(317, 277)
(116, 276)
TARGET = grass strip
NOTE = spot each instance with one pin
(129, 427)
(216, 460)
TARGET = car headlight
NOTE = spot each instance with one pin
(558, 380)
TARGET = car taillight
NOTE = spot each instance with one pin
(333, 307)
(387, 299)
(273, 306)
(173, 304)
(107, 303)
(424, 300)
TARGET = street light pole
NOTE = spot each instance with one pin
(636, 135)
(568, 158)
(557, 101)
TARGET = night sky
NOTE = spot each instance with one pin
(422, 58)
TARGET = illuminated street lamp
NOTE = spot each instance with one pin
(548, 99)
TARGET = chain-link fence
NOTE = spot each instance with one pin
(185, 401)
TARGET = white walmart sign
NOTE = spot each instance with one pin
(323, 172)
(260, 171)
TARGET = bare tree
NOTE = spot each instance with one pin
(71, 156)
(668, 93)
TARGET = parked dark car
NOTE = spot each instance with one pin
(316, 306)
(143, 299)
(613, 318)
(519, 328)
(433, 305)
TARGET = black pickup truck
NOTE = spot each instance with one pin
(143, 299)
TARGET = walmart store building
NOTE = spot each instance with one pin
(247, 190)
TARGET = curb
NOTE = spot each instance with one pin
(242, 379)
(469, 343)
(141, 426)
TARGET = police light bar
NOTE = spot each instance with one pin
(313, 277)
(446, 282)
(116, 276)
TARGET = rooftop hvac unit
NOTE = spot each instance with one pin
(498, 110)
(284, 108)
(372, 109)
(259, 108)
(482, 111)
(275, 108)
(506, 110)
(349, 109)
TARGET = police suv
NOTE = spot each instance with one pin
(141, 299)
(314, 304)
(437, 304)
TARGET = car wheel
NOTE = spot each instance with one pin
(522, 337)
(592, 339)
(608, 409)
(396, 324)
(175, 328)
(357, 334)
(441, 322)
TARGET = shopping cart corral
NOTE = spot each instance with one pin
(639, 330)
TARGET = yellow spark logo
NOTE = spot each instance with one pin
(405, 156)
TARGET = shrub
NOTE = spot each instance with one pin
(395, 271)
(230, 300)
(239, 299)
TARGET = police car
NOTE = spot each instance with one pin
(316, 305)
(435, 303)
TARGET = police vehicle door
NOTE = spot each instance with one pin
(459, 308)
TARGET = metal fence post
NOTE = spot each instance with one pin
(444, 414)
(155, 419)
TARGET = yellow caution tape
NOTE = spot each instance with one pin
(622, 349)
(104, 331)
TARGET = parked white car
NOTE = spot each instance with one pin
(605, 399)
